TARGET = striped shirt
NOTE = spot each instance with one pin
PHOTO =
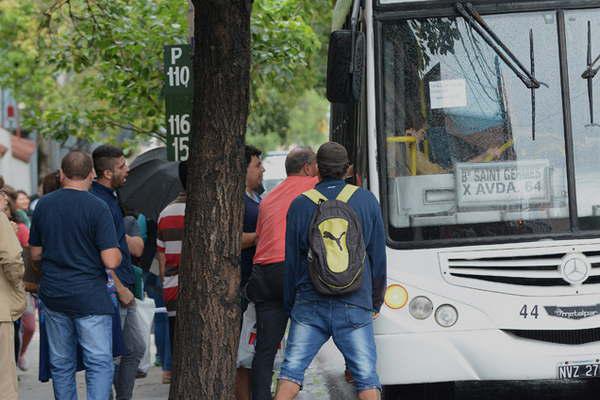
(169, 241)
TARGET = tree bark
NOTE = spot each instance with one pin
(208, 310)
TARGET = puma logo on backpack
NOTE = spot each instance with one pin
(336, 255)
(329, 235)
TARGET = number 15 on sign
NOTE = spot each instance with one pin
(182, 150)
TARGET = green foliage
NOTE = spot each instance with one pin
(89, 69)
(93, 68)
(279, 86)
(309, 120)
(267, 142)
(305, 123)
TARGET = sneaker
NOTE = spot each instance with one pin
(22, 363)
(348, 376)
(140, 374)
(166, 378)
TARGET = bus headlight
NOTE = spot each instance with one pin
(446, 315)
(420, 307)
(396, 297)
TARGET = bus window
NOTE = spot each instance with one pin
(461, 161)
(585, 111)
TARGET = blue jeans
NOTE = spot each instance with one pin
(161, 321)
(135, 347)
(94, 334)
(351, 327)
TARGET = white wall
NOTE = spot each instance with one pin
(16, 173)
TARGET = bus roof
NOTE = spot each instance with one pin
(399, 1)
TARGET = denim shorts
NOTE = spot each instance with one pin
(351, 327)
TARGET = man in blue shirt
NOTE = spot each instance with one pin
(73, 235)
(254, 178)
(111, 173)
(316, 317)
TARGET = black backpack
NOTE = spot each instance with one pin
(336, 256)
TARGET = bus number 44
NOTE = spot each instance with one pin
(526, 312)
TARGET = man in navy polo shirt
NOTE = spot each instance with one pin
(73, 235)
(111, 173)
(254, 178)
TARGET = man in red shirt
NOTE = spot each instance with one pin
(265, 287)
(170, 230)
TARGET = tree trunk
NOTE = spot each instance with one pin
(208, 310)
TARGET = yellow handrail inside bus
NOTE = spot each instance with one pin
(501, 150)
(411, 142)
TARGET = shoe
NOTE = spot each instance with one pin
(22, 363)
(166, 378)
(140, 374)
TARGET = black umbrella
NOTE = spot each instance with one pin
(152, 184)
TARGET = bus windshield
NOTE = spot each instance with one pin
(465, 158)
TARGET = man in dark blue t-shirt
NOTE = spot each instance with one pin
(254, 177)
(111, 173)
(73, 235)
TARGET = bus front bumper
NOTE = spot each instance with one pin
(474, 355)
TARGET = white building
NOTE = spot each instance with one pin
(17, 161)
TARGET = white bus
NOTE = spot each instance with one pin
(475, 125)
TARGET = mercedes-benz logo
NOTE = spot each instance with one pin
(575, 268)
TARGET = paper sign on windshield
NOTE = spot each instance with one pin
(500, 184)
(448, 93)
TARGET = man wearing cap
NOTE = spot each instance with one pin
(346, 318)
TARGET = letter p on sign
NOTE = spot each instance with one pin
(176, 53)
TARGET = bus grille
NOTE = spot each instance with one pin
(573, 337)
(534, 271)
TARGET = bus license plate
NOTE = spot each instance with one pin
(579, 371)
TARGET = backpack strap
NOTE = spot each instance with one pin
(346, 193)
(315, 196)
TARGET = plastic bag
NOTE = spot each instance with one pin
(145, 311)
(246, 347)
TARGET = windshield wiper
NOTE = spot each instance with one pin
(474, 19)
(532, 58)
(589, 73)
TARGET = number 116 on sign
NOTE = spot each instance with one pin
(179, 124)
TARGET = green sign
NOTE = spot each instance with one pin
(178, 99)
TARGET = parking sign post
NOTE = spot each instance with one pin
(178, 100)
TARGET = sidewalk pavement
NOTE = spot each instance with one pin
(323, 381)
(30, 388)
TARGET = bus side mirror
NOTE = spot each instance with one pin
(345, 68)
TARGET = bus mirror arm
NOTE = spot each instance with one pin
(346, 61)
(354, 27)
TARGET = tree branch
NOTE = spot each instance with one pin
(130, 126)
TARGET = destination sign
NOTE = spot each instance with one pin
(502, 183)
